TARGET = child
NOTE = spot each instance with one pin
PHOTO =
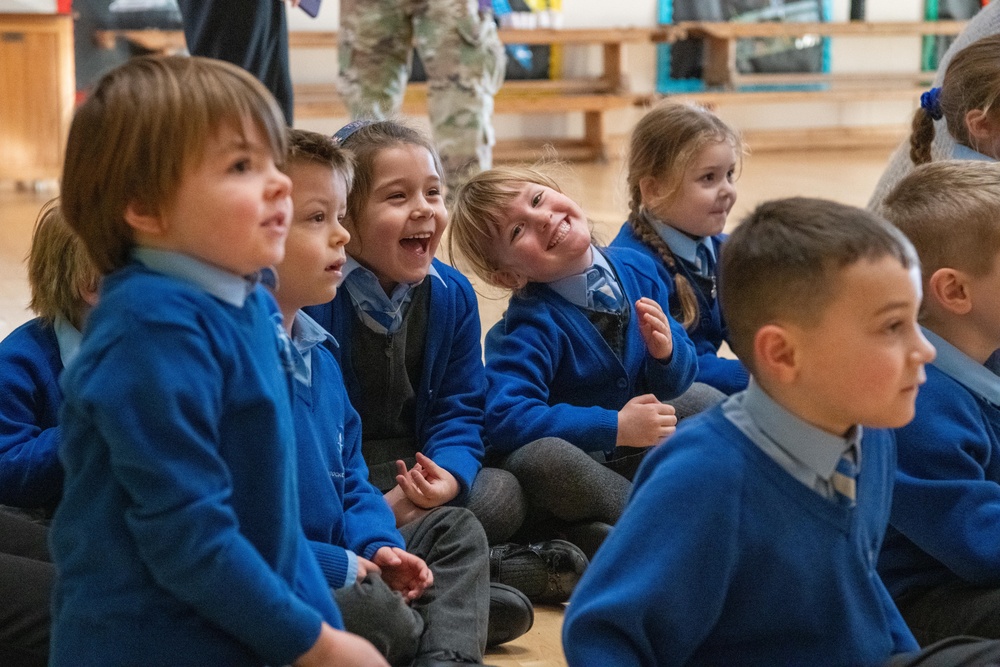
(575, 367)
(966, 101)
(941, 558)
(350, 527)
(749, 539)
(409, 335)
(63, 289)
(681, 170)
(177, 540)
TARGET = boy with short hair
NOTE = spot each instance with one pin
(387, 594)
(941, 557)
(780, 496)
(177, 540)
(63, 285)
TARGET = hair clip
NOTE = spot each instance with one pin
(343, 133)
(931, 103)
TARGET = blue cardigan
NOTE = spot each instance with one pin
(177, 540)
(339, 506)
(726, 375)
(550, 373)
(946, 510)
(452, 387)
(30, 473)
(723, 558)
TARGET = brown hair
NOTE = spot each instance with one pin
(971, 81)
(306, 147)
(950, 211)
(59, 270)
(365, 143)
(664, 144)
(142, 126)
(477, 215)
(782, 261)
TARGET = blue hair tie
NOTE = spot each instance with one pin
(343, 133)
(931, 103)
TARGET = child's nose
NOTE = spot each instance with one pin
(279, 185)
(925, 352)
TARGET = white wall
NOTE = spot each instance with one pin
(848, 54)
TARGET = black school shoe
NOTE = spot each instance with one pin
(511, 615)
(546, 572)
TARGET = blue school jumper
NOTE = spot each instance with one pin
(946, 509)
(342, 513)
(452, 387)
(551, 373)
(178, 540)
(724, 558)
(726, 375)
(30, 365)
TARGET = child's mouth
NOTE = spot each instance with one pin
(417, 243)
(561, 232)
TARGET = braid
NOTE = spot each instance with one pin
(685, 293)
(921, 137)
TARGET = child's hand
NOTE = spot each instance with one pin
(644, 422)
(654, 329)
(426, 484)
(336, 648)
(365, 567)
(403, 572)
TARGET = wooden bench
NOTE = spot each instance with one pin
(591, 96)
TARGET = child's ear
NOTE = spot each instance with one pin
(775, 353)
(650, 189)
(142, 218)
(982, 127)
(508, 279)
(948, 288)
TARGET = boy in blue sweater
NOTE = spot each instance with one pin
(387, 594)
(766, 513)
(941, 557)
(63, 289)
(178, 540)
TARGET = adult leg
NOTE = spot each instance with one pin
(952, 609)
(456, 608)
(374, 45)
(498, 502)
(465, 63)
(26, 580)
(254, 36)
(379, 614)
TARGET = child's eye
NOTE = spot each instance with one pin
(318, 217)
(241, 166)
(434, 192)
(895, 326)
(397, 195)
(708, 178)
(536, 200)
(730, 175)
(515, 232)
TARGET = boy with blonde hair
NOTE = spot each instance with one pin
(177, 540)
(779, 497)
(941, 558)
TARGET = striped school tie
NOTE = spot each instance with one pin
(602, 292)
(845, 478)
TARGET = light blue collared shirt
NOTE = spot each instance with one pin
(367, 295)
(68, 338)
(961, 152)
(223, 285)
(964, 370)
(574, 288)
(807, 453)
(307, 334)
(683, 245)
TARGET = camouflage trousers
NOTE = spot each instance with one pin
(463, 57)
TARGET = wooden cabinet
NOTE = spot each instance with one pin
(37, 91)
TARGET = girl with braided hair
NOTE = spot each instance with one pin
(681, 177)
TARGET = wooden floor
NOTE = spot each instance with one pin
(847, 176)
